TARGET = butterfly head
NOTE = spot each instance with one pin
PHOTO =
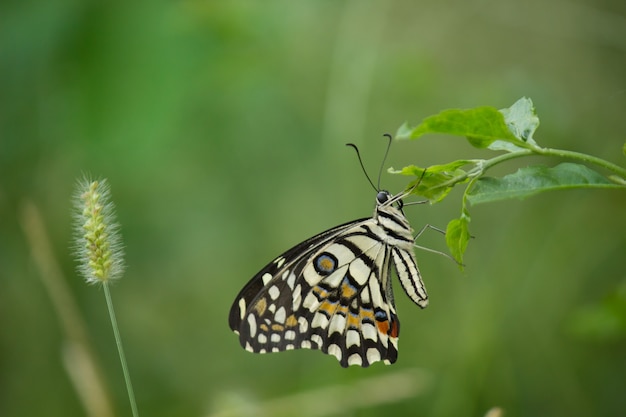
(384, 198)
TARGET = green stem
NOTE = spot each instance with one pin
(504, 157)
(585, 158)
(484, 165)
(120, 350)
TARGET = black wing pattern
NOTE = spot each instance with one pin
(333, 292)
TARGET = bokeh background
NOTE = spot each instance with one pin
(221, 129)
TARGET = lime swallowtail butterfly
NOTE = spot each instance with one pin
(333, 291)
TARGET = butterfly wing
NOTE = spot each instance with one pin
(331, 292)
(283, 263)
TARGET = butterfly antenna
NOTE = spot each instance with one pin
(382, 164)
(358, 154)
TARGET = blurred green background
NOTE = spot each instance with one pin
(221, 128)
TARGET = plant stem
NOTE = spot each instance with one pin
(484, 165)
(585, 158)
(120, 350)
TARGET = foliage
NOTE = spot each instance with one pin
(508, 130)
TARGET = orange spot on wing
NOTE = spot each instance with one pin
(383, 326)
(327, 264)
(390, 327)
(278, 328)
(342, 308)
(260, 306)
(291, 321)
(353, 320)
(320, 291)
(347, 290)
(328, 308)
(395, 328)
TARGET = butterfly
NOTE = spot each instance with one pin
(333, 291)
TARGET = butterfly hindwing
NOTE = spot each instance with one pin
(332, 292)
(349, 313)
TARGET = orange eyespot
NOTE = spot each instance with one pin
(325, 263)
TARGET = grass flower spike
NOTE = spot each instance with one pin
(99, 252)
(98, 242)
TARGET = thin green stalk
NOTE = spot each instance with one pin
(482, 166)
(585, 158)
(100, 253)
(120, 349)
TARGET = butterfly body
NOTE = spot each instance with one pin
(333, 291)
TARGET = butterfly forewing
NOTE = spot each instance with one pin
(333, 292)
(272, 271)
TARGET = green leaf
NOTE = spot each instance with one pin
(509, 129)
(405, 131)
(482, 124)
(536, 179)
(433, 184)
(521, 120)
(449, 167)
(457, 237)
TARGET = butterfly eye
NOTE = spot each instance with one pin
(382, 197)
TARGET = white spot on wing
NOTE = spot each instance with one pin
(337, 324)
(319, 320)
(317, 339)
(335, 351)
(267, 277)
(355, 359)
(335, 279)
(280, 315)
(311, 302)
(297, 297)
(359, 271)
(369, 331)
(373, 355)
(252, 325)
(279, 262)
(353, 338)
(365, 296)
(242, 308)
(304, 325)
(311, 276)
(374, 286)
(274, 292)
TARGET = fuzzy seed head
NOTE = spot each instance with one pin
(98, 245)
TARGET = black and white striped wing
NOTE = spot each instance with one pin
(333, 292)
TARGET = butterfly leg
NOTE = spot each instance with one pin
(428, 226)
(419, 233)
